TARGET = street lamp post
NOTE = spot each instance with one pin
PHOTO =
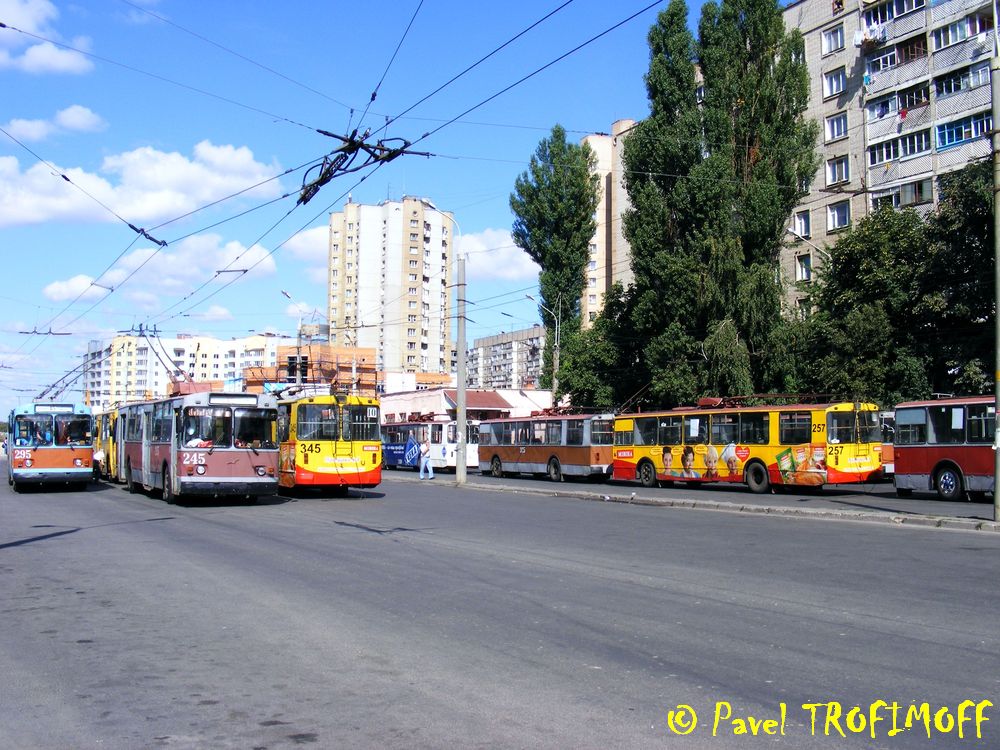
(298, 343)
(557, 316)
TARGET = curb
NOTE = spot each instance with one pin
(898, 519)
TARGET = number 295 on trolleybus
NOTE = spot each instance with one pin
(201, 444)
(329, 441)
(50, 444)
(761, 446)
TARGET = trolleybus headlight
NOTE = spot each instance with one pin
(78, 462)
(200, 469)
(28, 462)
(261, 471)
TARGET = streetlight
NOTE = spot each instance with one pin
(298, 341)
(555, 344)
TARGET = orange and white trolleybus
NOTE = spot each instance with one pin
(50, 443)
(760, 446)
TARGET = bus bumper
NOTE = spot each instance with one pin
(229, 489)
(345, 478)
(52, 476)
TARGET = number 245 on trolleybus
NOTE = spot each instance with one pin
(50, 444)
(329, 441)
(761, 446)
(201, 444)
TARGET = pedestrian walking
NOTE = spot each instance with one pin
(425, 459)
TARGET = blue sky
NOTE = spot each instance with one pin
(155, 110)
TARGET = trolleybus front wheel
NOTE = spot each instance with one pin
(496, 467)
(756, 478)
(168, 494)
(647, 474)
(129, 483)
(555, 470)
(948, 483)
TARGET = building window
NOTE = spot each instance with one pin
(592, 265)
(966, 129)
(912, 49)
(834, 82)
(882, 60)
(833, 39)
(880, 153)
(916, 192)
(838, 170)
(592, 299)
(881, 108)
(803, 267)
(838, 215)
(961, 30)
(836, 126)
(915, 143)
(961, 80)
(801, 224)
(918, 96)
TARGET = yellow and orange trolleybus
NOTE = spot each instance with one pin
(719, 441)
(329, 441)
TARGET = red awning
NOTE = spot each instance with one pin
(481, 400)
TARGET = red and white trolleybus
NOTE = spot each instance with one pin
(201, 444)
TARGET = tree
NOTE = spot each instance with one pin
(712, 179)
(554, 203)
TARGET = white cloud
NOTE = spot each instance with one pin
(492, 255)
(73, 118)
(152, 279)
(79, 286)
(29, 130)
(36, 17)
(311, 245)
(80, 118)
(153, 186)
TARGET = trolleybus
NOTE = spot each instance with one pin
(401, 443)
(945, 446)
(559, 445)
(202, 444)
(50, 443)
(106, 442)
(761, 446)
(329, 441)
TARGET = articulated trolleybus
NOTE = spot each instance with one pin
(559, 445)
(201, 444)
(760, 446)
(50, 444)
(329, 441)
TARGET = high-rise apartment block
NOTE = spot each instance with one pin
(390, 282)
(610, 255)
(901, 91)
(507, 360)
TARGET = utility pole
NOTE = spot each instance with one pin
(460, 416)
(995, 96)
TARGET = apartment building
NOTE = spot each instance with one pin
(131, 367)
(610, 257)
(507, 360)
(389, 283)
(901, 90)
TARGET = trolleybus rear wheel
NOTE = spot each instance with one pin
(168, 494)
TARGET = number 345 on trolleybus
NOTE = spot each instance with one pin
(201, 444)
(50, 444)
(761, 446)
(329, 441)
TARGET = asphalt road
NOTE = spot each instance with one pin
(422, 615)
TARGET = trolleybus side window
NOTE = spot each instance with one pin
(947, 424)
(472, 434)
(574, 431)
(670, 431)
(754, 429)
(911, 426)
(437, 430)
(283, 422)
(553, 432)
(795, 427)
(982, 423)
(602, 431)
(696, 430)
(645, 431)
(725, 428)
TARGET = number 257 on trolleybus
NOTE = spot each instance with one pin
(800, 444)
(201, 444)
(50, 444)
(329, 441)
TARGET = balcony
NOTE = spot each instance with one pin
(894, 77)
(893, 171)
(975, 48)
(958, 156)
(969, 100)
(918, 117)
(903, 26)
(952, 10)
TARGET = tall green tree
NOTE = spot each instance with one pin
(712, 176)
(554, 204)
